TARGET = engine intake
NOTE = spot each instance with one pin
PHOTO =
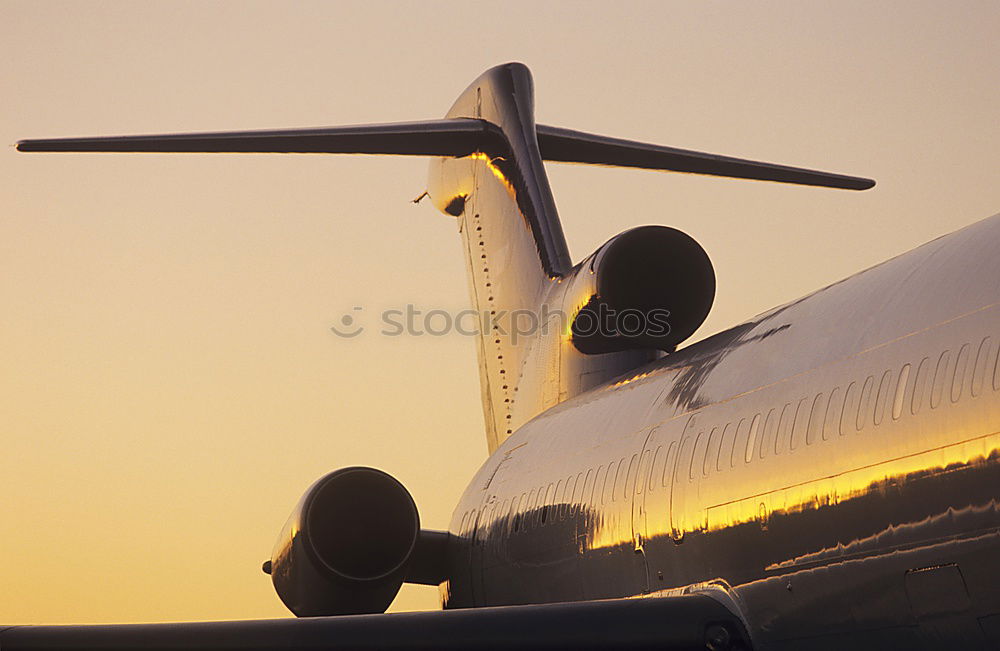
(649, 287)
(348, 544)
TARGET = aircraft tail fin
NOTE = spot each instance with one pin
(567, 146)
(450, 137)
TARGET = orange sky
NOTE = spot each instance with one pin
(170, 385)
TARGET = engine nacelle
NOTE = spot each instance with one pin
(347, 546)
(649, 287)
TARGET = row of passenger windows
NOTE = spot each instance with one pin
(613, 482)
(837, 412)
(843, 410)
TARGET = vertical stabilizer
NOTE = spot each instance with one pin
(511, 235)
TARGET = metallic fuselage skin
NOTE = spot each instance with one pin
(829, 469)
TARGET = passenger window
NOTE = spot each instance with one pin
(979, 372)
(920, 385)
(587, 497)
(602, 473)
(546, 504)
(669, 461)
(618, 489)
(654, 468)
(816, 416)
(899, 398)
(770, 427)
(498, 513)
(882, 397)
(541, 509)
(563, 496)
(683, 453)
(608, 490)
(865, 404)
(996, 370)
(739, 442)
(570, 501)
(728, 435)
(940, 373)
(640, 481)
(579, 494)
(699, 451)
(711, 451)
(633, 467)
(801, 423)
(752, 438)
(784, 428)
(559, 504)
(961, 365)
(483, 526)
(850, 409)
(831, 424)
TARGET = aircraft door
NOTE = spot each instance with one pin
(477, 550)
(639, 518)
(679, 479)
(486, 534)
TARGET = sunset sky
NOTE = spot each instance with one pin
(170, 384)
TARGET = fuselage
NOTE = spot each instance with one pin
(830, 467)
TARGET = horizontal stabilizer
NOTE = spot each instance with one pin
(451, 137)
(454, 137)
(569, 146)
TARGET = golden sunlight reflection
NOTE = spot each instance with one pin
(497, 172)
(630, 380)
(577, 306)
(849, 485)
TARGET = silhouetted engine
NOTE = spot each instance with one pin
(649, 287)
(350, 544)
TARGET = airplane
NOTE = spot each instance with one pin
(824, 475)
